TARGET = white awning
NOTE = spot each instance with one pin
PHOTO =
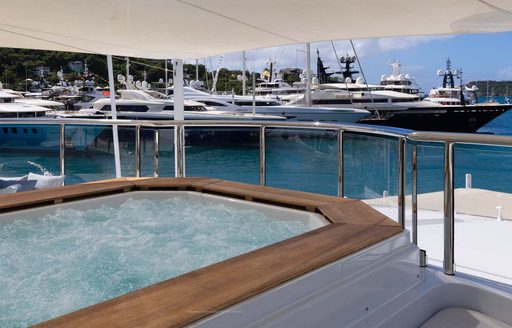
(200, 28)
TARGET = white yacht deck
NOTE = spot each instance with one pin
(481, 241)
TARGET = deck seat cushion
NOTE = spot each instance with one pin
(10, 190)
(6, 182)
(46, 181)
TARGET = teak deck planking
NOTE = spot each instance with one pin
(195, 295)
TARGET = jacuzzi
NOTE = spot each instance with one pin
(60, 258)
(167, 252)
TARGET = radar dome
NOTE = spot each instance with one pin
(408, 76)
(440, 72)
(359, 80)
(120, 78)
(314, 80)
(348, 80)
(383, 77)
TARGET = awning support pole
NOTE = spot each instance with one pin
(115, 135)
(179, 115)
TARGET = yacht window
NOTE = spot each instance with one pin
(168, 108)
(195, 109)
(25, 130)
(14, 130)
(6, 130)
(212, 103)
(34, 131)
(87, 98)
(127, 108)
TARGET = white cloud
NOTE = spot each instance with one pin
(294, 56)
(505, 73)
(388, 44)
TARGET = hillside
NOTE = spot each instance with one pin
(495, 88)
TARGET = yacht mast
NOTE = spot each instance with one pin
(166, 79)
(197, 69)
(127, 67)
(243, 73)
(364, 78)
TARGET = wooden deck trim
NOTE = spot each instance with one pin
(43, 197)
(187, 298)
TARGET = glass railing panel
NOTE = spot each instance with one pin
(230, 153)
(302, 159)
(89, 153)
(430, 186)
(483, 205)
(371, 169)
(28, 148)
(166, 163)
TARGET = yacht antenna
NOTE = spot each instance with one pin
(350, 95)
(206, 75)
(364, 77)
(243, 73)
(166, 79)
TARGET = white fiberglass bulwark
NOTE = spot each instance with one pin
(199, 28)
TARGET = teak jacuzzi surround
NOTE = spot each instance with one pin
(197, 294)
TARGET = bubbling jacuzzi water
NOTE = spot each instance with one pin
(67, 257)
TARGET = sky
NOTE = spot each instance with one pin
(480, 56)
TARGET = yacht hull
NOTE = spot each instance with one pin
(447, 118)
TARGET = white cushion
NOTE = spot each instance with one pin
(22, 178)
(10, 190)
(46, 181)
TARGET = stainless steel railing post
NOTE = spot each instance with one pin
(341, 178)
(414, 195)
(401, 181)
(449, 209)
(138, 154)
(62, 148)
(263, 159)
(180, 150)
(156, 140)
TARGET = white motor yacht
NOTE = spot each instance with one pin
(139, 104)
(269, 107)
(8, 95)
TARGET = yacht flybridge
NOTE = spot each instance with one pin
(347, 263)
(397, 81)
